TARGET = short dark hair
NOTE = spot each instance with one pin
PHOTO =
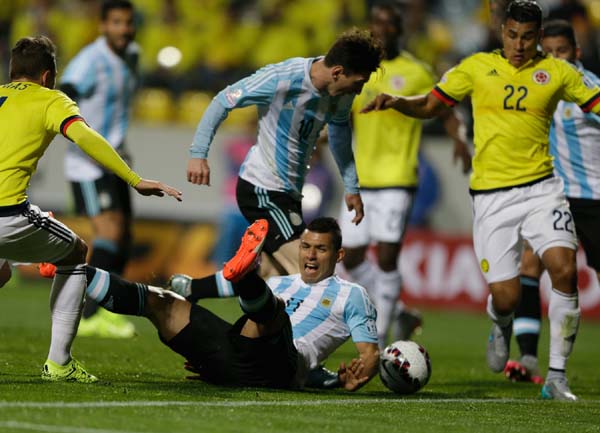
(108, 5)
(393, 8)
(327, 225)
(524, 11)
(31, 56)
(560, 28)
(357, 51)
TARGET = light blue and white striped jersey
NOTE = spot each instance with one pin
(105, 84)
(291, 114)
(325, 314)
(575, 145)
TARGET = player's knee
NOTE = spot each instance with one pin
(387, 263)
(353, 257)
(77, 255)
(505, 305)
(505, 298)
(564, 276)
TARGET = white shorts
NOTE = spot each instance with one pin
(386, 214)
(538, 213)
(33, 236)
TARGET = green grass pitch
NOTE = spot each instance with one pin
(143, 386)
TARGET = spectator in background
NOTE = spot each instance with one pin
(102, 79)
(387, 147)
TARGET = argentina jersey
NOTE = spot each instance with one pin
(574, 138)
(105, 84)
(291, 114)
(325, 314)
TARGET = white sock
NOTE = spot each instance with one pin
(501, 321)
(365, 274)
(66, 301)
(563, 314)
(387, 289)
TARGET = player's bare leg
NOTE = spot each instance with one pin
(287, 256)
(269, 267)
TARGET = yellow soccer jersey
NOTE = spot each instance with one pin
(30, 117)
(512, 111)
(387, 142)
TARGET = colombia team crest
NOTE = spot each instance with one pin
(541, 76)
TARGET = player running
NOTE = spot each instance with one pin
(295, 99)
(516, 197)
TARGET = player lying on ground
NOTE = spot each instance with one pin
(288, 327)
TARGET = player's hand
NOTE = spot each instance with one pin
(354, 203)
(383, 101)
(196, 373)
(461, 152)
(352, 376)
(153, 187)
(198, 171)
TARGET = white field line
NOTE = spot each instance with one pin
(17, 425)
(274, 403)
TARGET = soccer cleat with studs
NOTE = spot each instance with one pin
(558, 389)
(498, 347)
(105, 324)
(180, 284)
(247, 256)
(525, 370)
(72, 372)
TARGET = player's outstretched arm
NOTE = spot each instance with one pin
(101, 151)
(360, 370)
(421, 106)
(154, 187)
(198, 171)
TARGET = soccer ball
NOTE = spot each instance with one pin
(404, 367)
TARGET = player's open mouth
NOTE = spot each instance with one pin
(311, 267)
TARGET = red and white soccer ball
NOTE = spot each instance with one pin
(405, 367)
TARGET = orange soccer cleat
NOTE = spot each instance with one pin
(247, 255)
(47, 270)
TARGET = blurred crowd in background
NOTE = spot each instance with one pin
(193, 48)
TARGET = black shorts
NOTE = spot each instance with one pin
(109, 192)
(586, 214)
(224, 357)
(283, 212)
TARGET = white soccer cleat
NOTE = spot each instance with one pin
(180, 284)
(498, 347)
(558, 389)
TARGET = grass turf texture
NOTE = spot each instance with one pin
(143, 386)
